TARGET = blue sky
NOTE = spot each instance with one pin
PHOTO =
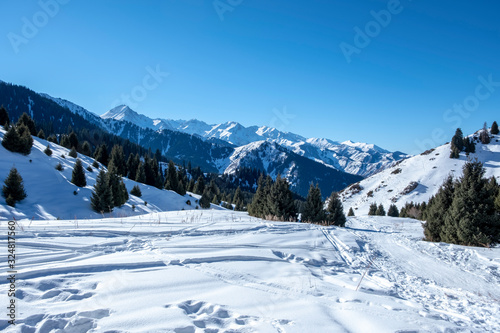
(300, 66)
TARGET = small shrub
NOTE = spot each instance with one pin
(133, 208)
(59, 167)
(188, 202)
(95, 164)
(370, 194)
(89, 169)
(75, 192)
(145, 203)
(395, 172)
(48, 151)
(63, 156)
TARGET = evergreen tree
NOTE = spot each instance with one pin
(335, 211)
(120, 195)
(259, 201)
(78, 175)
(101, 154)
(484, 135)
(41, 134)
(351, 212)
(190, 187)
(140, 175)
(172, 179)
(13, 190)
(4, 117)
(136, 191)
(470, 146)
(117, 160)
(373, 209)
(471, 219)
(393, 211)
(86, 149)
(26, 139)
(28, 122)
(73, 140)
(313, 209)
(199, 187)
(238, 200)
(494, 128)
(12, 141)
(102, 197)
(181, 190)
(380, 210)
(73, 153)
(458, 140)
(132, 165)
(280, 201)
(204, 200)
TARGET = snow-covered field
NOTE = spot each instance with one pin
(221, 271)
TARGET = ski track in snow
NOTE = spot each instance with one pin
(223, 271)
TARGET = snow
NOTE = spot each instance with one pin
(223, 271)
(429, 170)
(51, 194)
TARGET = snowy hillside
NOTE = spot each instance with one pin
(356, 158)
(418, 178)
(221, 271)
(50, 192)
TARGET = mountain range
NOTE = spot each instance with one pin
(219, 148)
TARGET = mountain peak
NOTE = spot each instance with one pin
(120, 112)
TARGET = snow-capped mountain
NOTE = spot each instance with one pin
(212, 155)
(356, 158)
(419, 177)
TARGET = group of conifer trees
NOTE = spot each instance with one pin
(18, 137)
(465, 211)
(459, 143)
(379, 210)
(274, 200)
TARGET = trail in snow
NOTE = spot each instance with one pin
(227, 272)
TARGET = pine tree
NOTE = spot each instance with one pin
(335, 211)
(86, 150)
(4, 117)
(313, 209)
(373, 209)
(172, 179)
(238, 200)
(140, 175)
(280, 201)
(78, 175)
(41, 134)
(190, 187)
(393, 211)
(136, 191)
(380, 210)
(11, 140)
(28, 122)
(101, 154)
(117, 159)
(73, 153)
(259, 200)
(102, 197)
(351, 212)
(73, 140)
(120, 195)
(132, 165)
(458, 140)
(484, 135)
(13, 190)
(26, 139)
(199, 187)
(204, 200)
(471, 219)
(494, 128)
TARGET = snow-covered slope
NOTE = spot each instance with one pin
(222, 271)
(355, 158)
(51, 194)
(418, 178)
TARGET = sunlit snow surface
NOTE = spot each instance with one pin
(221, 271)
